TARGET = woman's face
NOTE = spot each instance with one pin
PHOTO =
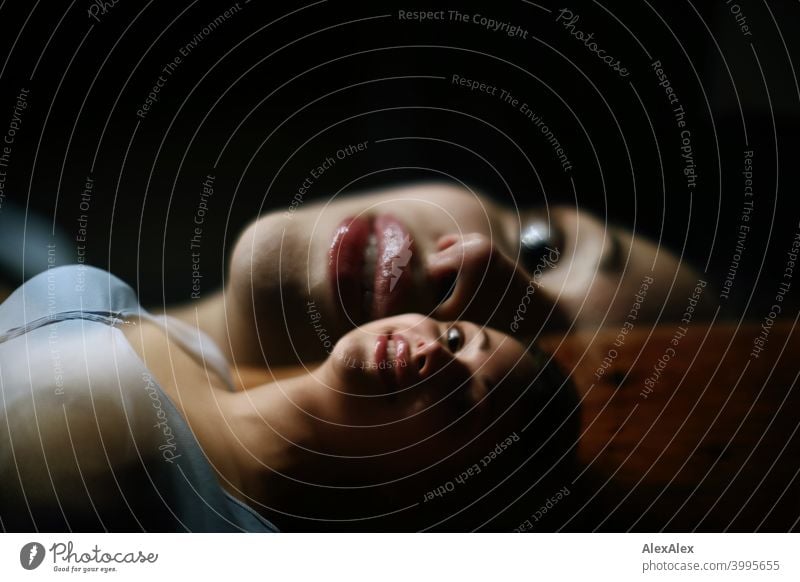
(411, 390)
(331, 266)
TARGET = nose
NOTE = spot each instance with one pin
(430, 356)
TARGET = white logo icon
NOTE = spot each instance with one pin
(31, 555)
(399, 262)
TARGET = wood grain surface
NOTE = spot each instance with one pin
(713, 445)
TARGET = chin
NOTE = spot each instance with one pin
(348, 353)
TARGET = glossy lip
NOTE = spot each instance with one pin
(393, 269)
(395, 256)
(392, 372)
(346, 264)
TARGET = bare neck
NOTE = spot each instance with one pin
(272, 437)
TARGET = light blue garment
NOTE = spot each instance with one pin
(63, 359)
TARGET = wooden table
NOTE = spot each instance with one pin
(712, 445)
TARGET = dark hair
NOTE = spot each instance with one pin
(496, 483)
(515, 480)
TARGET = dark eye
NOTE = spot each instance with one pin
(537, 243)
(455, 339)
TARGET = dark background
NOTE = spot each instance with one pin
(278, 87)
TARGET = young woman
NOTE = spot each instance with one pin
(119, 419)
(115, 419)
(319, 270)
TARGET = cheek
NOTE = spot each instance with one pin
(602, 292)
(258, 258)
(342, 374)
(587, 301)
